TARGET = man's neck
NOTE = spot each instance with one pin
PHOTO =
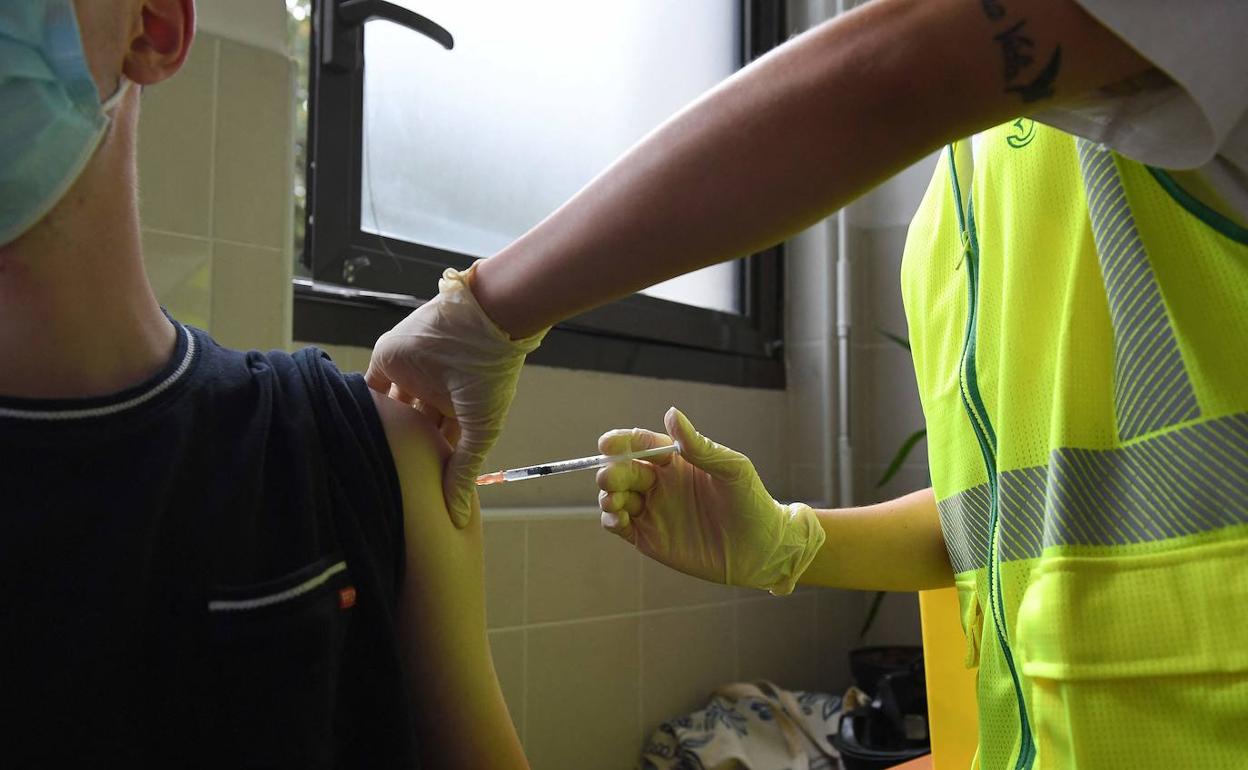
(77, 316)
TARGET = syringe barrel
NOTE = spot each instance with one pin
(551, 469)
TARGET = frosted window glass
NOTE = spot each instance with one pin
(467, 149)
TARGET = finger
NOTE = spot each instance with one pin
(619, 524)
(621, 503)
(634, 475)
(615, 522)
(719, 461)
(614, 502)
(474, 505)
(634, 504)
(451, 430)
(459, 487)
(400, 395)
(624, 440)
(611, 502)
(376, 379)
(436, 418)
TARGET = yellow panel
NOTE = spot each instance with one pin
(951, 703)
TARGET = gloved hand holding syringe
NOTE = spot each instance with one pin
(696, 506)
(567, 466)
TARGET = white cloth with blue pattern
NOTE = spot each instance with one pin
(755, 726)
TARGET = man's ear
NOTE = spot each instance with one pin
(162, 39)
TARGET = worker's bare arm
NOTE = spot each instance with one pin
(891, 546)
(794, 136)
(461, 719)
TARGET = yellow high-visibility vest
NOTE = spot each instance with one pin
(1079, 325)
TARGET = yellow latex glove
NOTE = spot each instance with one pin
(450, 356)
(705, 511)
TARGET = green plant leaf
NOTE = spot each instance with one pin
(898, 459)
(902, 341)
(871, 613)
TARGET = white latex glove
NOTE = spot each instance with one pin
(450, 356)
(704, 511)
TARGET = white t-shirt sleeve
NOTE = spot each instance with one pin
(1182, 120)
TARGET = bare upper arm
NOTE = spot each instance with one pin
(461, 718)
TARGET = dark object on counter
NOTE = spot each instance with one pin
(893, 727)
(870, 664)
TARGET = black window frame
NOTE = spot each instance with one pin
(362, 283)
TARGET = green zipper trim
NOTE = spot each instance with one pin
(972, 402)
(969, 369)
(1199, 208)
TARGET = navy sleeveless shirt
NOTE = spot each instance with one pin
(202, 571)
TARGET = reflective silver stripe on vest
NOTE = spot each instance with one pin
(1151, 386)
(964, 521)
(1189, 480)
(1021, 521)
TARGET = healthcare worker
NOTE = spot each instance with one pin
(1079, 319)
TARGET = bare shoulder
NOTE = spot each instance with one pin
(419, 450)
(420, 453)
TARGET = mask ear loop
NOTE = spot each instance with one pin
(110, 104)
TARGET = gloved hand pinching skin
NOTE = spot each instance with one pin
(449, 356)
(704, 511)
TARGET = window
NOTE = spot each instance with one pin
(422, 157)
(298, 40)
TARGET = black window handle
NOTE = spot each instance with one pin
(341, 23)
(360, 11)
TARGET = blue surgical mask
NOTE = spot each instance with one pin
(51, 118)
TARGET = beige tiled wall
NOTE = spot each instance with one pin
(595, 646)
(215, 186)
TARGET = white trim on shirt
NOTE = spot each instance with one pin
(104, 411)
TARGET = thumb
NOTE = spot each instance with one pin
(719, 461)
(459, 486)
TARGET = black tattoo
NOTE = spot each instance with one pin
(992, 9)
(1015, 48)
(1041, 87)
(1017, 55)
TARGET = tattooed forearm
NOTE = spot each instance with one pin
(1016, 56)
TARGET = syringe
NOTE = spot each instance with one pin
(567, 466)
